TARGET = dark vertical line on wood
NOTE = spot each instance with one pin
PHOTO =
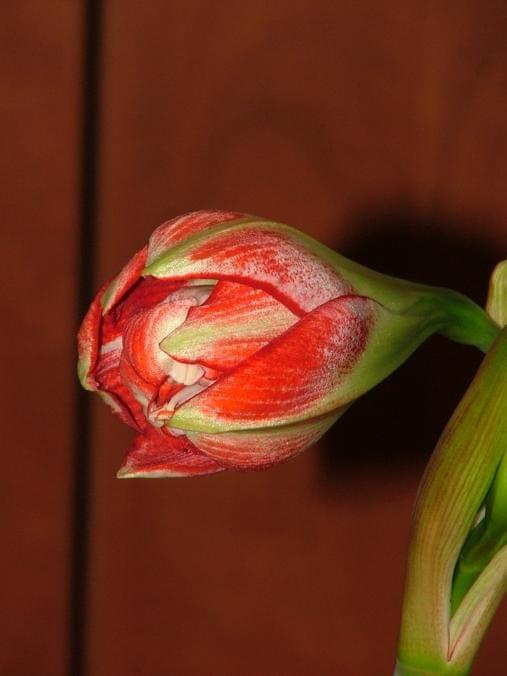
(77, 649)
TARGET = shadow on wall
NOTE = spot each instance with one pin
(396, 425)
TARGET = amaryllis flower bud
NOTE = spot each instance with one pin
(230, 341)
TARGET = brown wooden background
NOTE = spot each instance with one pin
(379, 128)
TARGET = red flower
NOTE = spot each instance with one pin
(234, 342)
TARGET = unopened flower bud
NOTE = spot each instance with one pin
(232, 342)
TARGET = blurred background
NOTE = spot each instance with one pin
(379, 128)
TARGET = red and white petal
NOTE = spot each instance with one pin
(260, 254)
(142, 391)
(260, 449)
(296, 377)
(158, 455)
(100, 347)
(145, 294)
(121, 400)
(142, 336)
(124, 280)
(109, 357)
(235, 322)
(145, 331)
(117, 403)
(162, 408)
(88, 342)
(166, 391)
(176, 230)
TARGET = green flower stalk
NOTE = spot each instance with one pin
(457, 567)
(489, 535)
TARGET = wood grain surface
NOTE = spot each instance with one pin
(40, 62)
(310, 113)
(351, 120)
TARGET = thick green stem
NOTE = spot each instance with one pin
(455, 485)
(489, 536)
(475, 612)
(444, 669)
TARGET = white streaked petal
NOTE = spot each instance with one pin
(188, 392)
(187, 374)
(197, 293)
(161, 415)
(116, 344)
(175, 432)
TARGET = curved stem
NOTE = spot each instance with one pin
(489, 536)
(474, 614)
(454, 486)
